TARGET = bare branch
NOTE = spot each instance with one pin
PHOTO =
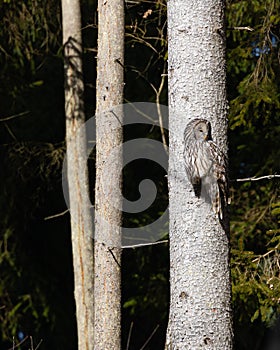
(145, 244)
(265, 255)
(132, 2)
(150, 337)
(14, 116)
(40, 342)
(254, 178)
(141, 112)
(19, 344)
(142, 41)
(56, 215)
(10, 132)
(249, 29)
(129, 336)
(158, 93)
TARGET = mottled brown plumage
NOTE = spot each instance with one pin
(206, 165)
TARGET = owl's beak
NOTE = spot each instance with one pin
(206, 137)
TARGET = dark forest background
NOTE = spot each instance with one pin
(36, 285)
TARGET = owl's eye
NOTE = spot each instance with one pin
(200, 130)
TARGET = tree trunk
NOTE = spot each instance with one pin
(109, 90)
(200, 306)
(81, 221)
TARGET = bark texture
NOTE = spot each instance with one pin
(200, 306)
(109, 90)
(81, 221)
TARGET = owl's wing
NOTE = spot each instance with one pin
(192, 170)
(219, 195)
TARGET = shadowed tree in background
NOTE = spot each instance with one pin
(81, 221)
(200, 305)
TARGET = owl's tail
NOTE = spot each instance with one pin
(222, 199)
(215, 193)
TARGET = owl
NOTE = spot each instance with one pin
(206, 165)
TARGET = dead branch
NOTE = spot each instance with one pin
(158, 93)
(254, 178)
(265, 255)
(145, 244)
(150, 337)
(249, 29)
(56, 215)
(14, 116)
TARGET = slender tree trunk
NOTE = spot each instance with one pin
(200, 307)
(109, 90)
(81, 221)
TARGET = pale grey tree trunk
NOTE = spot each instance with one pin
(200, 306)
(109, 91)
(81, 221)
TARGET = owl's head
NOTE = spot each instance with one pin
(202, 130)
